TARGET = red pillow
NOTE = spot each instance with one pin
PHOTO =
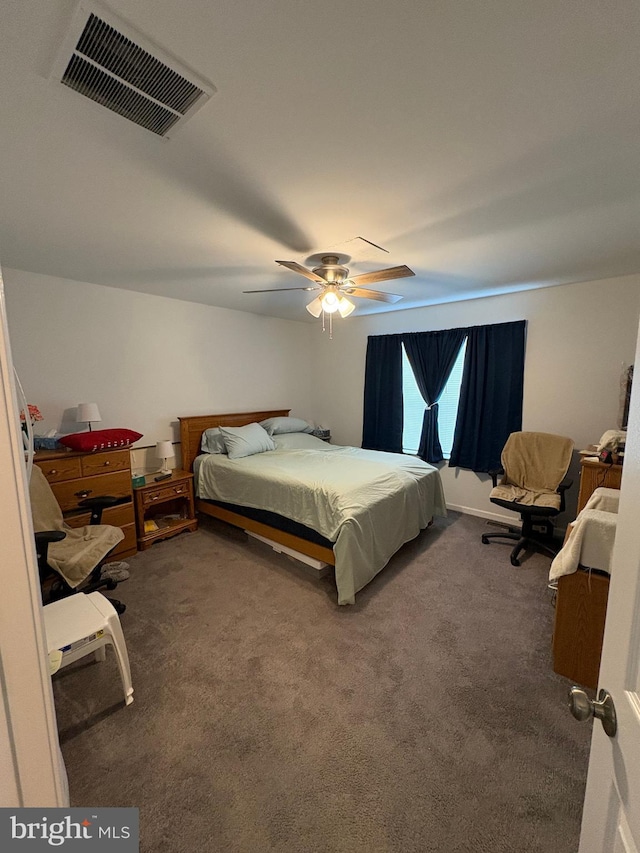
(100, 439)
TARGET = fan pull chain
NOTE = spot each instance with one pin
(330, 324)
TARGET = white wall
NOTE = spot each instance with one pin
(578, 337)
(147, 359)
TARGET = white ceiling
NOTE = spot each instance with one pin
(491, 146)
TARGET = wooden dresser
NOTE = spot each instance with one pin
(74, 476)
(581, 609)
(581, 601)
(594, 475)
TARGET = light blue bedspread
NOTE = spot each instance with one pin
(367, 502)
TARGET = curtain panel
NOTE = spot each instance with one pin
(491, 394)
(490, 407)
(383, 410)
(432, 356)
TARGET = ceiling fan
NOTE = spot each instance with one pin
(333, 281)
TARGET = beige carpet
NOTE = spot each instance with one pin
(266, 718)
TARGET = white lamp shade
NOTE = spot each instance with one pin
(330, 301)
(164, 449)
(88, 412)
(315, 307)
(345, 307)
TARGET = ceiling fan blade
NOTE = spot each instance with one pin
(278, 289)
(292, 265)
(363, 293)
(381, 275)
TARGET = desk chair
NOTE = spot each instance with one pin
(534, 465)
(70, 558)
(84, 624)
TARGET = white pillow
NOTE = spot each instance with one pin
(212, 441)
(280, 426)
(246, 440)
(301, 441)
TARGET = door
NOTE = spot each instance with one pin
(31, 768)
(611, 817)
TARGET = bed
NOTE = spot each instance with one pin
(348, 507)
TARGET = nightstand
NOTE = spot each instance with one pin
(164, 508)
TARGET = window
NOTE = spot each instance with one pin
(414, 406)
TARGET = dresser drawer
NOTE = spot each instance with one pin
(104, 463)
(70, 492)
(57, 470)
(165, 493)
(128, 546)
(118, 516)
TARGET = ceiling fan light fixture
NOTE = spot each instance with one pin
(315, 307)
(332, 281)
(330, 300)
(345, 307)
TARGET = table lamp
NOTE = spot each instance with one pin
(88, 412)
(164, 451)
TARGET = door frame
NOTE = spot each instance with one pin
(31, 768)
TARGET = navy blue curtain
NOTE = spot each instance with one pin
(490, 406)
(383, 415)
(432, 356)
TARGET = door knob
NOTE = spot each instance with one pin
(602, 709)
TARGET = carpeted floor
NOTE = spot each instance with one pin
(266, 718)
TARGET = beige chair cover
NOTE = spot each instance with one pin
(535, 464)
(83, 548)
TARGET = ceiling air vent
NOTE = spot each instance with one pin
(115, 71)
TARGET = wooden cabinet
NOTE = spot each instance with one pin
(581, 609)
(164, 508)
(594, 475)
(581, 601)
(75, 476)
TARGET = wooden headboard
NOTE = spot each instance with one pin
(191, 428)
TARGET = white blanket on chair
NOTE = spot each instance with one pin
(605, 499)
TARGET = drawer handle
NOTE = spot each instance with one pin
(107, 463)
(84, 493)
(154, 497)
(52, 471)
(181, 489)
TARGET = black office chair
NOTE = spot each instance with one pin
(534, 467)
(71, 559)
